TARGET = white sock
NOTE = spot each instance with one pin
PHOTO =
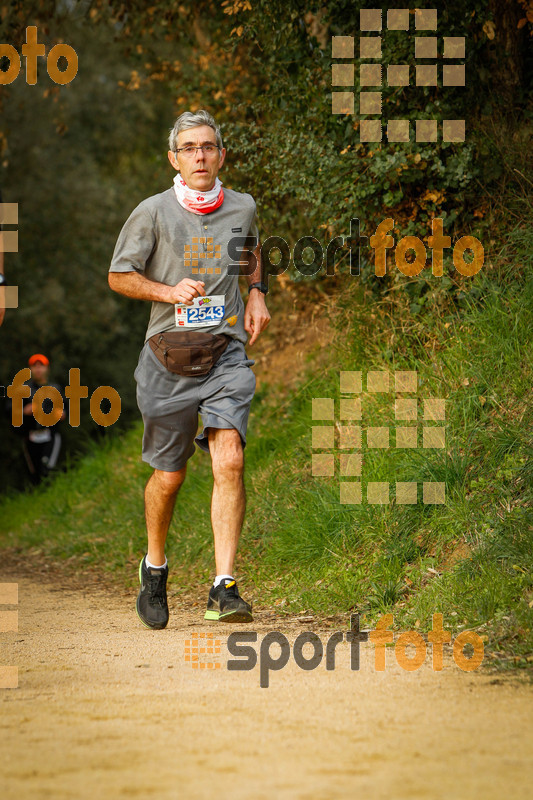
(220, 578)
(154, 566)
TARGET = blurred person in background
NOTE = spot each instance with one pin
(41, 445)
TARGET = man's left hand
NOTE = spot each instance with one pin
(256, 316)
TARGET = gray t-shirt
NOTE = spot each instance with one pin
(160, 240)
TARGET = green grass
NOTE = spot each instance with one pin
(301, 550)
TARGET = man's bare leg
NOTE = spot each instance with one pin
(159, 499)
(228, 501)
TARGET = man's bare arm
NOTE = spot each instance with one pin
(256, 316)
(132, 284)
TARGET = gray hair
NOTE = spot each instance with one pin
(189, 120)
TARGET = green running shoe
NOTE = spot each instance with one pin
(226, 605)
(152, 608)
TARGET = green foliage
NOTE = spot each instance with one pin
(306, 164)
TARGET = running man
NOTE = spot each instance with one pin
(173, 251)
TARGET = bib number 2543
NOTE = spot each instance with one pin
(204, 312)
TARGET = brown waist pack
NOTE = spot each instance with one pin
(189, 353)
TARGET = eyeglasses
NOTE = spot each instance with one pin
(190, 150)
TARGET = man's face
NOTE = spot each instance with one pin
(200, 170)
(39, 372)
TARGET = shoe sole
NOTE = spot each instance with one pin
(146, 625)
(231, 616)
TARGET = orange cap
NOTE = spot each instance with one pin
(36, 358)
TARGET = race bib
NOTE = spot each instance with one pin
(40, 437)
(204, 312)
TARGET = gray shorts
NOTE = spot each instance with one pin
(170, 405)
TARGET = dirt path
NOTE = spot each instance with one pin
(108, 709)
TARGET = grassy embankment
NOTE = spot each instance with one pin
(302, 550)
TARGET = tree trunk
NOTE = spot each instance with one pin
(507, 48)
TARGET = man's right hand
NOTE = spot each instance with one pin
(185, 291)
(131, 284)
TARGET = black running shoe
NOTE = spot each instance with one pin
(226, 605)
(152, 607)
